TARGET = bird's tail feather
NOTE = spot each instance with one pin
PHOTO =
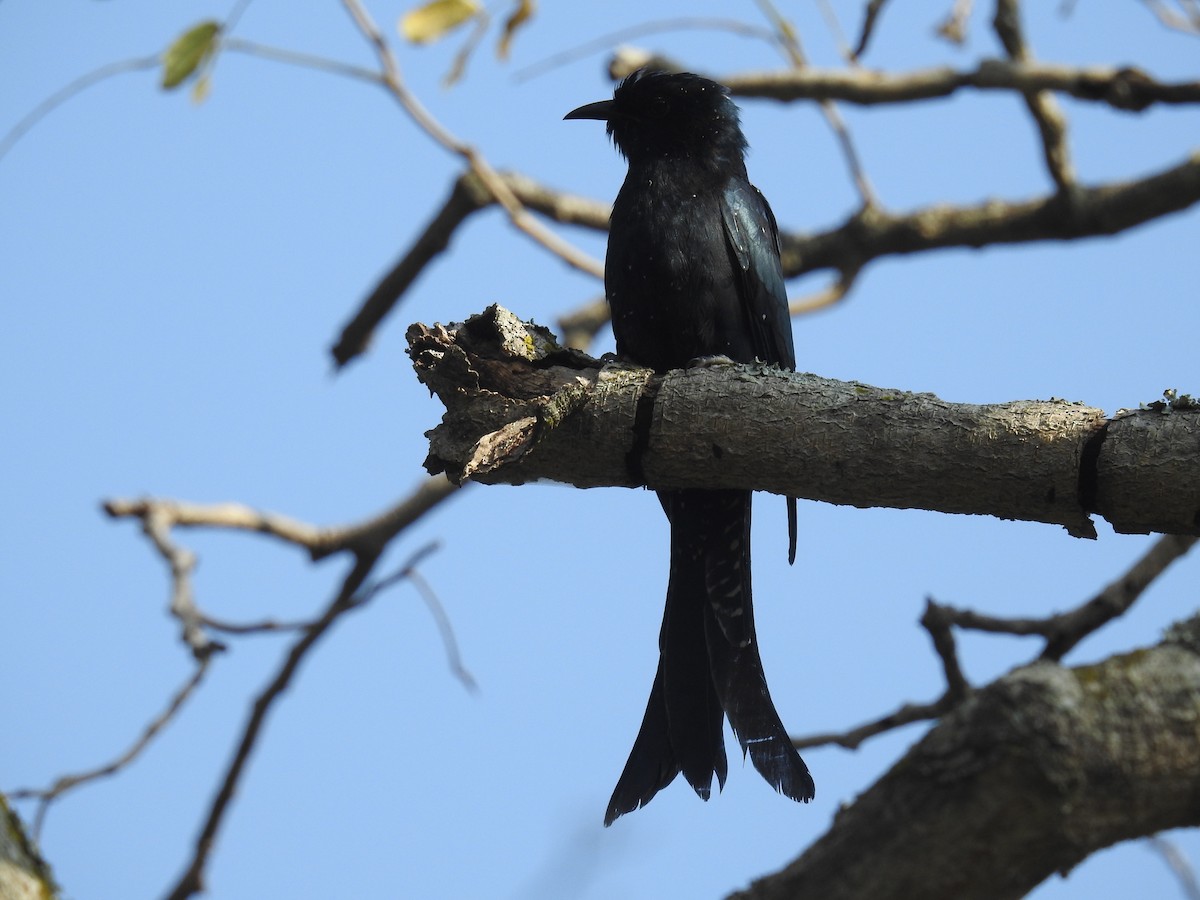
(709, 666)
(734, 661)
(682, 727)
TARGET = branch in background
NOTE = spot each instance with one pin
(1085, 212)
(1027, 778)
(495, 185)
(468, 195)
(319, 541)
(1065, 630)
(957, 690)
(954, 27)
(1186, 20)
(408, 572)
(869, 234)
(78, 86)
(1062, 632)
(835, 293)
(870, 19)
(1052, 126)
(626, 59)
(580, 326)
(366, 541)
(354, 593)
(192, 880)
(1179, 866)
(1126, 88)
(65, 783)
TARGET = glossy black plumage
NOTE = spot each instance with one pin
(693, 271)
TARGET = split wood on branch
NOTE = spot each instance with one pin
(522, 408)
(1026, 778)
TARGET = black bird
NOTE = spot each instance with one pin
(693, 271)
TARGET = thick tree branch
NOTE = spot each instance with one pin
(1027, 778)
(1084, 212)
(521, 408)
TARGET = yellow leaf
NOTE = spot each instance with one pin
(201, 88)
(522, 14)
(436, 18)
(188, 51)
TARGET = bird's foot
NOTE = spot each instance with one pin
(706, 362)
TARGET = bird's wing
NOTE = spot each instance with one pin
(752, 238)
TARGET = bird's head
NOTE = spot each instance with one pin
(670, 115)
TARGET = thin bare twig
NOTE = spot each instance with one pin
(353, 594)
(835, 293)
(870, 20)
(467, 196)
(65, 783)
(791, 44)
(1068, 629)
(1052, 125)
(372, 533)
(605, 41)
(518, 215)
(365, 540)
(936, 622)
(192, 880)
(1187, 20)
(1065, 630)
(1178, 864)
(408, 572)
(942, 636)
(156, 525)
(845, 51)
(301, 60)
(80, 84)
(1062, 632)
(850, 740)
(265, 626)
(954, 27)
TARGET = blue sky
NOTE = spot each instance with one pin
(173, 276)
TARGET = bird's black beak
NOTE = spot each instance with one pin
(601, 109)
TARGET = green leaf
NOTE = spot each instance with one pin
(435, 19)
(188, 51)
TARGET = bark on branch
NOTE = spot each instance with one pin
(521, 408)
(1027, 778)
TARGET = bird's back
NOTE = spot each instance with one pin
(679, 285)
